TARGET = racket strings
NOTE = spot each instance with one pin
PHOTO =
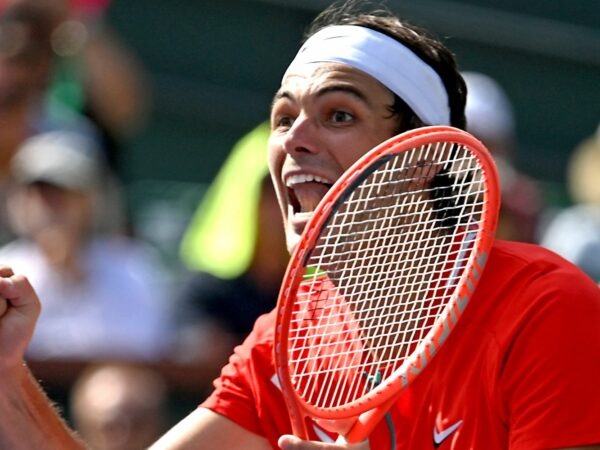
(383, 270)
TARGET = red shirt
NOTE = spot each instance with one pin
(521, 370)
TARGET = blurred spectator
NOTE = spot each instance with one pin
(25, 61)
(93, 73)
(26, 66)
(237, 253)
(490, 118)
(97, 74)
(575, 232)
(102, 296)
(117, 406)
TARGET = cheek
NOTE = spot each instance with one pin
(275, 159)
(359, 145)
(347, 153)
(354, 156)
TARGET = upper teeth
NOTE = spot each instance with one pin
(297, 179)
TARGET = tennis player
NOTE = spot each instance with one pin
(520, 371)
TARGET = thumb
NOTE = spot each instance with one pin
(289, 442)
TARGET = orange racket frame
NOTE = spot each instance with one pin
(368, 410)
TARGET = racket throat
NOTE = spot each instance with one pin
(366, 422)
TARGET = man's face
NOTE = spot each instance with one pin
(324, 117)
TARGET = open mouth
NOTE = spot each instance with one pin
(306, 191)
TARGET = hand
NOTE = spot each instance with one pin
(19, 310)
(288, 442)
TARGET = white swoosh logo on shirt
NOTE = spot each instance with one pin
(441, 436)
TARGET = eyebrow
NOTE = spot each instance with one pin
(346, 88)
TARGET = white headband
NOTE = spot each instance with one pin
(386, 60)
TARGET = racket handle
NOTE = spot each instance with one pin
(299, 427)
(297, 420)
(367, 421)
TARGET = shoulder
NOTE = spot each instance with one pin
(525, 284)
(524, 253)
(514, 261)
(543, 314)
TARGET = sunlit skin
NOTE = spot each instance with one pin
(323, 118)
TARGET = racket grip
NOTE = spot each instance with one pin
(367, 421)
(299, 426)
(297, 419)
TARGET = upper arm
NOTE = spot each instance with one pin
(550, 376)
(208, 430)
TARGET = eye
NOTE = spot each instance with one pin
(282, 117)
(284, 121)
(340, 116)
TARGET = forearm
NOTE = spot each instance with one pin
(29, 419)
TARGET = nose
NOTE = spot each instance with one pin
(302, 136)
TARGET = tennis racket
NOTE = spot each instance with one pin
(382, 274)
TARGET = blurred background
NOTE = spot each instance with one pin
(213, 67)
(163, 105)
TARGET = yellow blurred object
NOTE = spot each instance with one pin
(221, 236)
(583, 171)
